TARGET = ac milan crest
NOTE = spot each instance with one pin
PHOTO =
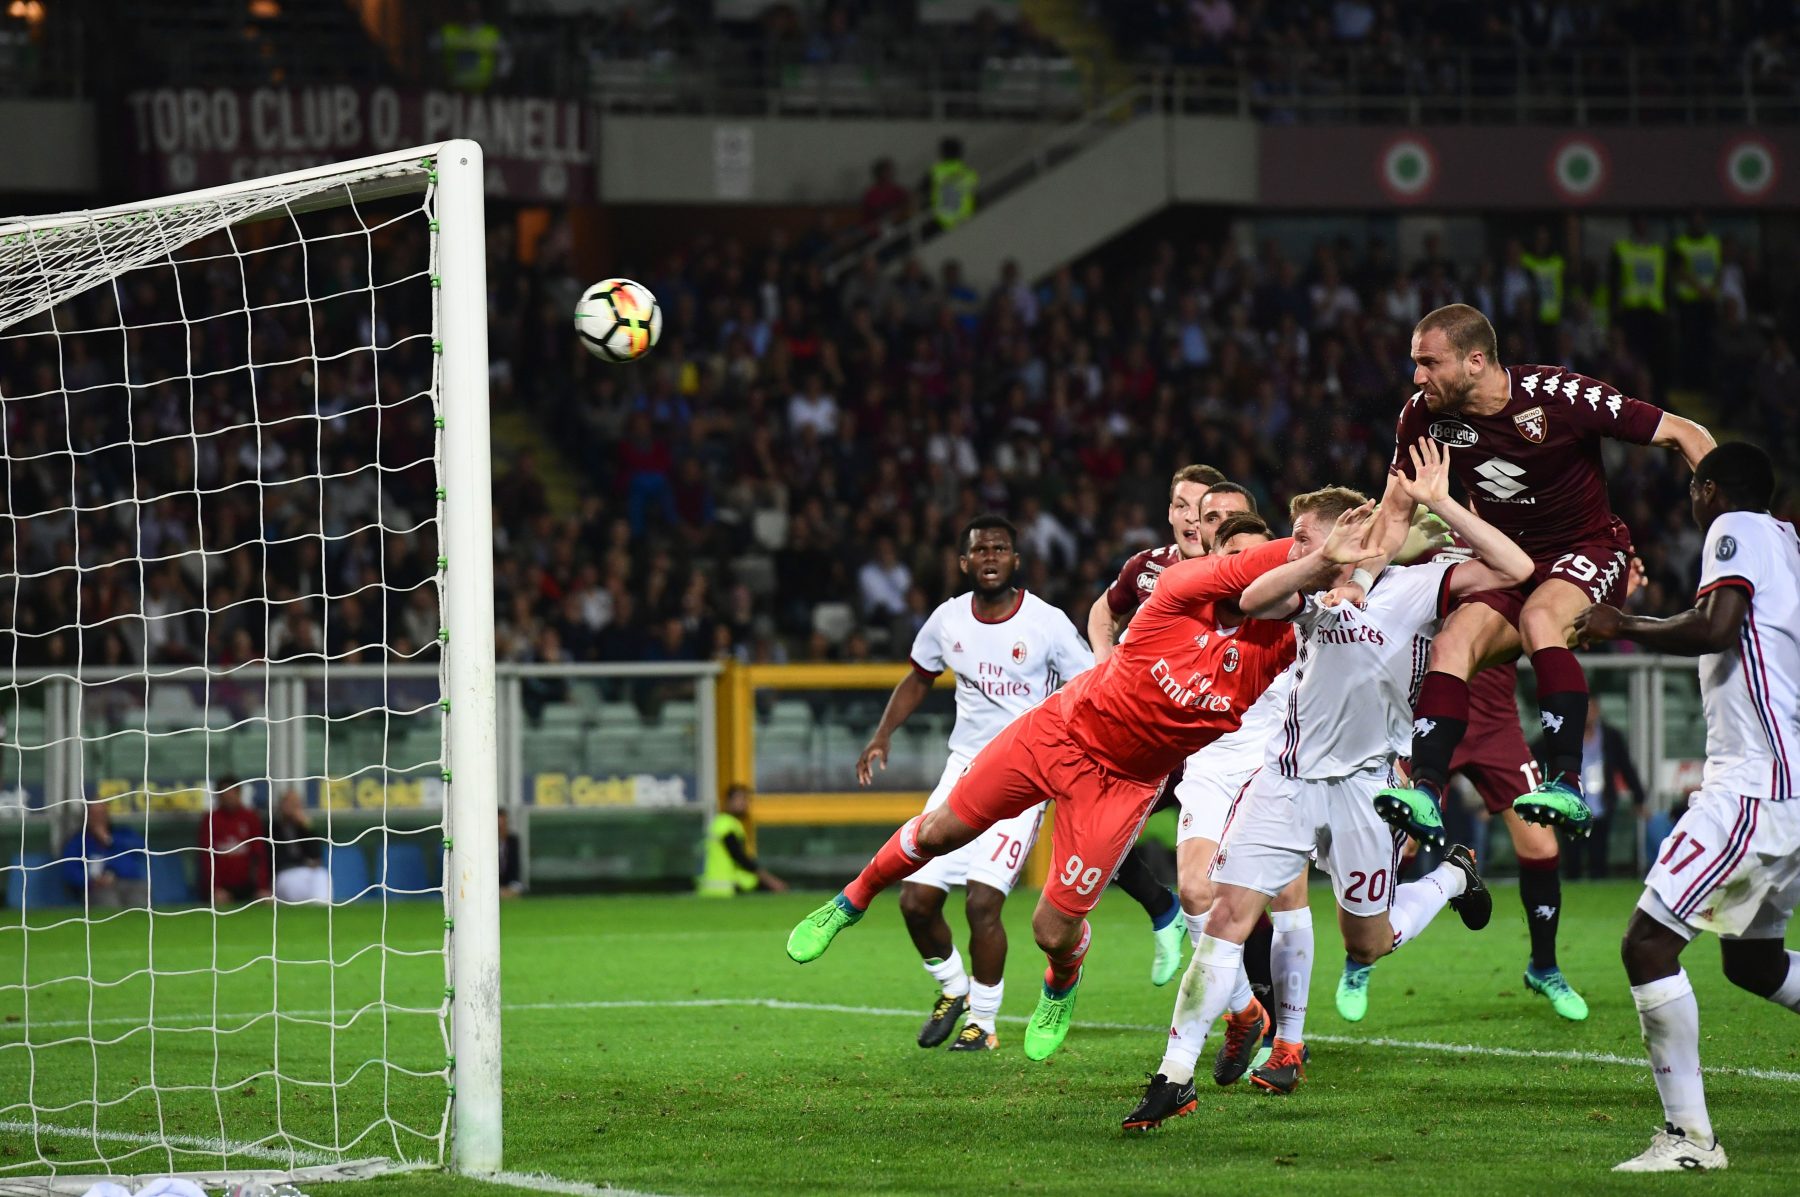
(1231, 659)
(1531, 425)
(1019, 653)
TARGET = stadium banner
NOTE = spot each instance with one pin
(1526, 167)
(548, 790)
(184, 138)
(637, 791)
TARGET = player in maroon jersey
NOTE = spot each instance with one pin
(1100, 748)
(1199, 500)
(1525, 442)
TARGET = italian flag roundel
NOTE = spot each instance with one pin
(1578, 168)
(1408, 168)
(1749, 167)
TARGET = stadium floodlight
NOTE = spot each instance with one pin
(245, 457)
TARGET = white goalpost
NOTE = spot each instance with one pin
(246, 562)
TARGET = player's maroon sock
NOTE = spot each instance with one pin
(1562, 705)
(1540, 889)
(1256, 953)
(1440, 717)
(1065, 967)
(897, 859)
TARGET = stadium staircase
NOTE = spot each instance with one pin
(511, 432)
(1077, 188)
(1068, 23)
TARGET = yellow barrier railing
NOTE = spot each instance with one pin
(736, 724)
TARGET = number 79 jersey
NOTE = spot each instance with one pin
(1003, 667)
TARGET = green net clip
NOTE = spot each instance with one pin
(446, 775)
(443, 563)
(438, 347)
(438, 423)
(437, 282)
(444, 704)
(449, 924)
(444, 635)
(448, 844)
(434, 226)
(441, 494)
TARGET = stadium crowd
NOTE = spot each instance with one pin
(785, 476)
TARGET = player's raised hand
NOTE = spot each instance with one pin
(1430, 483)
(875, 752)
(1354, 537)
(1599, 622)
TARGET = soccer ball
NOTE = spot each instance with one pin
(618, 320)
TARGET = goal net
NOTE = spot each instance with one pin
(247, 776)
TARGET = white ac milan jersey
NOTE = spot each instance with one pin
(1003, 668)
(1751, 691)
(1242, 751)
(1357, 674)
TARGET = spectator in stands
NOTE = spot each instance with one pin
(511, 886)
(106, 863)
(300, 874)
(883, 583)
(884, 200)
(234, 857)
(1608, 774)
(730, 869)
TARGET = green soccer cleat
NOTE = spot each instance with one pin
(1170, 941)
(1556, 804)
(1412, 809)
(1049, 1024)
(1353, 991)
(1563, 998)
(808, 940)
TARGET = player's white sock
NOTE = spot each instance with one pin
(1206, 989)
(1671, 1020)
(1417, 902)
(1789, 993)
(1196, 925)
(984, 1004)
(1290, 962)
(949, 974)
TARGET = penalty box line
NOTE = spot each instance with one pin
(1461, 1049)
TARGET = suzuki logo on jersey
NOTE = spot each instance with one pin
(1531, 425)
(1498, 479)
(1231, 659)
(1019, 652)
(1194, 694)
(1454, 433)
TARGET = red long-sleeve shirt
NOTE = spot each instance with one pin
(238, 856)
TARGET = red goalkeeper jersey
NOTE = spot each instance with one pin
(239, 856)
(1180, 680)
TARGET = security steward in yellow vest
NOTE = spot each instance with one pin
(1546, 268)
(471, 50)
(730, 869)
(1699, 259)
(951, 185)
(1640, 308)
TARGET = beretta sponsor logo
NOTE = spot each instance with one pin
(1452, 432)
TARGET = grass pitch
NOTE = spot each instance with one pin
(667, 1045)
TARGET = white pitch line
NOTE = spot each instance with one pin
(543, 1182)
(221, 1147)
(1460, 1049)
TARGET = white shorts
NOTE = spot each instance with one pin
(305, 884)
(1731, 865)
(1279, 821)
(1206, 796)
(995, 858)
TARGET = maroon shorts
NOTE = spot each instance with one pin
(1596, 566)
